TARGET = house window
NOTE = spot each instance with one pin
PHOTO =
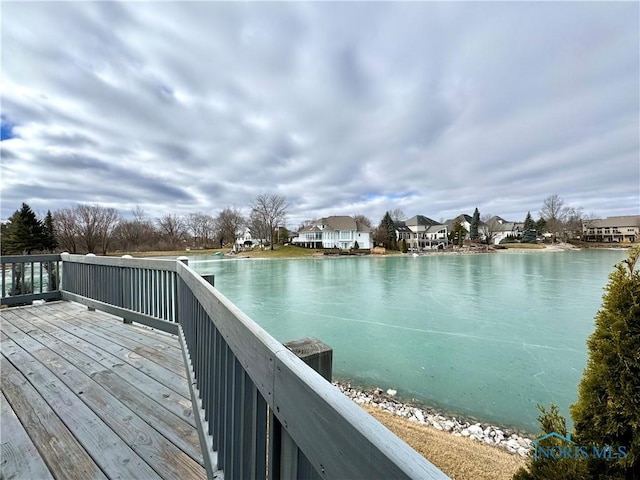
(345, 235)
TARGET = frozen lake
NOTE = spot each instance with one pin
(485, 336)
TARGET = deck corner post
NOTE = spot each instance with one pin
(184, 259)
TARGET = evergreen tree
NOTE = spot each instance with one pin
(24, 232)
(475, 222)
(529, 234)
(544, 468)
(541, 225)
(608, 408)
(49, 241)
(403, 246)
(388, 232)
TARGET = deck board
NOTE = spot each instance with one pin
(176, 403)
(20, 456)
(168, 424)
(85, 416)
(75, 326)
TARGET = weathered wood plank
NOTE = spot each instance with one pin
(150, 368)
(136, 343)
(159, 453)
(172, 401)
(106, 321)
(172, 427)
(108, 450)
(64, 455)
(20, 457)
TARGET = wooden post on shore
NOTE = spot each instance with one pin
(319, 356)
(315, 353)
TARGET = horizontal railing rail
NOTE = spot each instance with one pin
(139, 290)
(26, 278)
(261, 411)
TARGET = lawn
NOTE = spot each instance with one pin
(526, 246)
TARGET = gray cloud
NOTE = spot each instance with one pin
(344, 108)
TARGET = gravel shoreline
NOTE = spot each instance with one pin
(506, 439)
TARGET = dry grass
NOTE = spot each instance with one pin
(460, 458)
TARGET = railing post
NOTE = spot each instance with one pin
(123, 285)
(184, 259)
(210, 278)
(319, 356)
(91, 309)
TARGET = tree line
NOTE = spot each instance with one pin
(96, 229)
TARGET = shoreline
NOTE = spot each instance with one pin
(507, 439)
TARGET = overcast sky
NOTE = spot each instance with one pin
(343, 108)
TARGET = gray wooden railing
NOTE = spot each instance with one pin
(26, 278)
(261, 411)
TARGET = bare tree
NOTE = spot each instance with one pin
(271, 209)
(364, 220)
(95, 226)
(202, 227)
(397, 215)
(573, 223)
(554, 213)
(172, 229)
(136, 233)
(66, 228)
(258, 229)
(489, 227)
(229, 222)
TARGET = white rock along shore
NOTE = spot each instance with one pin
(506, 439)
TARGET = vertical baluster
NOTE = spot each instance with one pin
(228, 410)
(260, 432)
(4, 290)
(218, 411)
(237, 416)
(41, 290)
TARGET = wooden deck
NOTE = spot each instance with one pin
(85, 396)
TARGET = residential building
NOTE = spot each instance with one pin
(502, 229)
(244, 240)
(624, 229)
(464, 220)
(422, 232)
(335, 231)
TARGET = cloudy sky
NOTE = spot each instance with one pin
(343, 108)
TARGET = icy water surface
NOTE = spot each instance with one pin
(485, 336)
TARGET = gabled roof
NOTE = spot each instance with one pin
(626, 221)
(435, 228)
(402, 228)
(460, 218)
(420, 220)
(337, 222)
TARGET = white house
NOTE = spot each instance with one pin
(422, 232)
(501, 229)
(335, 231)
(244, 240)
(464, 220)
